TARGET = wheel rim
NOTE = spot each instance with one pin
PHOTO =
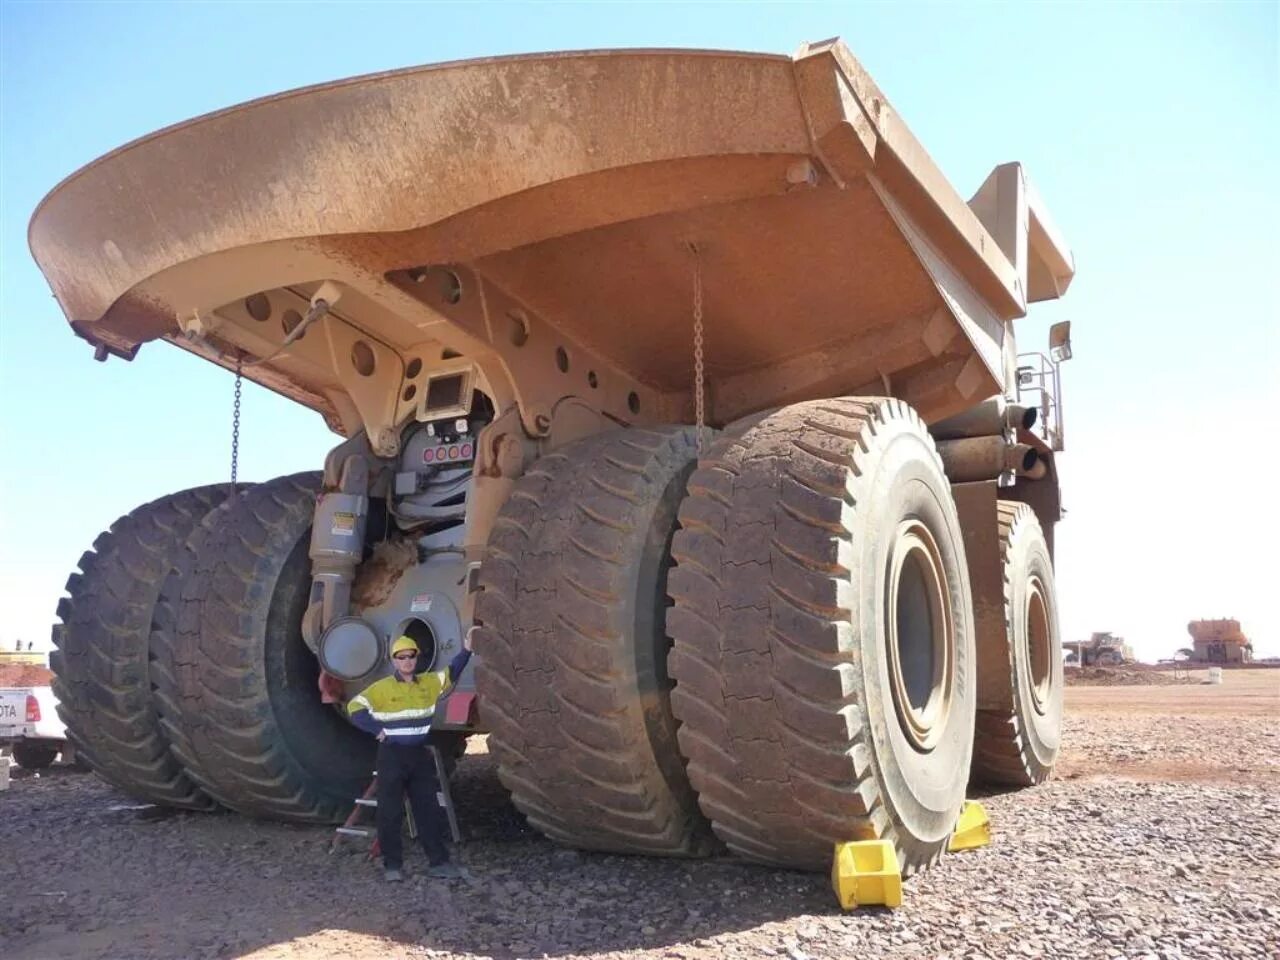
(921, 636)
(1037, 639)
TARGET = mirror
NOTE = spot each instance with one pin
(1060, 341)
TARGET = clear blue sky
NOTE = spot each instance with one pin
(1150, 129)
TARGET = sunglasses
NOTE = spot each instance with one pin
(406, 656)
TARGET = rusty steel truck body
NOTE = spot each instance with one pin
(685, 375)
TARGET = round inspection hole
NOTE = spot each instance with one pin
(258, 307)
(592, 379)
(562, 359)
(633, 402)
(413, 369)
(362, 358)
(424, 637)
(289, 320)
(410, 392)
(517, 327)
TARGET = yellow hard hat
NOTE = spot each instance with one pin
(404, 643)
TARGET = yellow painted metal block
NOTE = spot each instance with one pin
(866, 873)
(973, 829)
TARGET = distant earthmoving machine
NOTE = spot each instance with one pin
(1219, 641)
(1101, 649)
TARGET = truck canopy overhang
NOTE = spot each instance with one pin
(833, 253)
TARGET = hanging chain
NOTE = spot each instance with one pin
(235, 429)
(698, 366)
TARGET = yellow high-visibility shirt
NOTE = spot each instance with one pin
(400, 708)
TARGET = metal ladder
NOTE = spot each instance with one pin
(369, 801)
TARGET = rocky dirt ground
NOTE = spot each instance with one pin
(1130, 675)
(1159, 839)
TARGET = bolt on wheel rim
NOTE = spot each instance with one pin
(921, 636)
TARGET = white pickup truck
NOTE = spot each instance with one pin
(29, 723)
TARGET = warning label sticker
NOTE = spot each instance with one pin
(344, 524)
(420, 604)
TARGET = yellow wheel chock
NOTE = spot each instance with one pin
(866, 873)
(973, 829)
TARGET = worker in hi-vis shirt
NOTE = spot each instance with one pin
(398, 710)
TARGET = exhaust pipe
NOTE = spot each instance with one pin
(988, 419)
(1037, 471)
(986, 458)
(1020, 417)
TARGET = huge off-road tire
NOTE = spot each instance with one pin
(253, 729)
(1017, 745)
(824, 647)
(166, 667)
(102, 656)
(571, 658)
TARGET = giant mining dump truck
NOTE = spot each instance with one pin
(685, 376)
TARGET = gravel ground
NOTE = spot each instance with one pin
(1160, 839)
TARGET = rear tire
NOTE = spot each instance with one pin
(34, 755)
(102, 657)
(823, 633)
(1018, 746)
(571, 657)
(166, 666)
(245, 695)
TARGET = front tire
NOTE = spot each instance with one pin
(824, 647)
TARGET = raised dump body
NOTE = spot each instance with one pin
(565, 191)
(520, 288)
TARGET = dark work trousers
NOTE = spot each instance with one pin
(404, 769)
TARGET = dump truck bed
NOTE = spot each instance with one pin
(573, 188)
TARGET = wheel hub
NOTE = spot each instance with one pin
(1039, 662)
(921, 635)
